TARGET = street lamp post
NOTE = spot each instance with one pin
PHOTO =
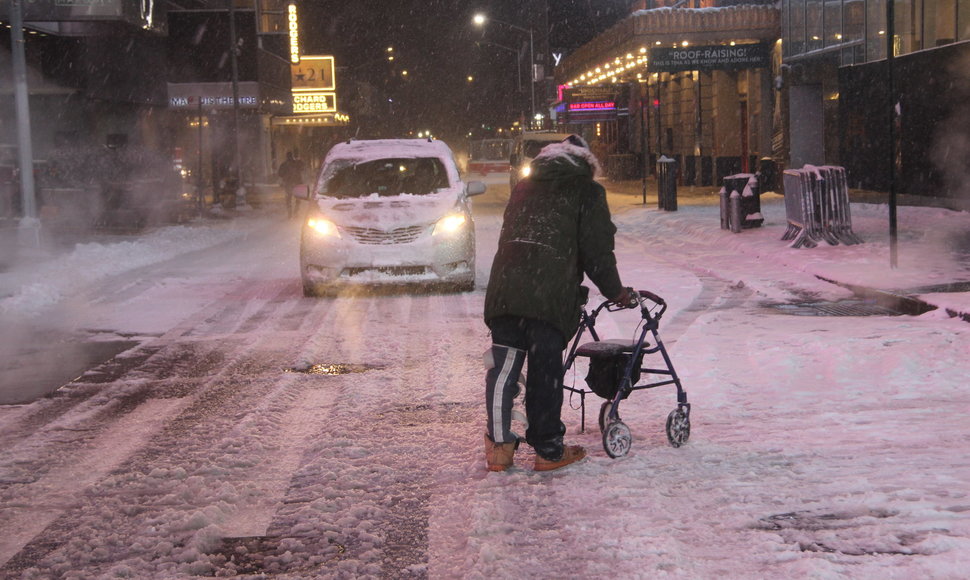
(480, 20)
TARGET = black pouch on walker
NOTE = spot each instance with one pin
(606, 372)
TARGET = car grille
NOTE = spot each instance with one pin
(378, 236)
(390, 271)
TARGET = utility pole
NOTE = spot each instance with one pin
(890, 54)
(24, 145)
(233, 59)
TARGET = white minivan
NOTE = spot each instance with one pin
(388, 211)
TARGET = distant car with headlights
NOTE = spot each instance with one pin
(525, 147)
(388, 211)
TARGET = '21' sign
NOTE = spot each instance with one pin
(313, 73)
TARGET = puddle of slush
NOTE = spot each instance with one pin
(331, 369)
(33, 373)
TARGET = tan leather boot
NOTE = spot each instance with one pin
(570, 454)
(498, 456)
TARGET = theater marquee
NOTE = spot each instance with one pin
(314, 103)
(594, 104)
(313, 86)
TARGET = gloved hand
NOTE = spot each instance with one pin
(628, 298)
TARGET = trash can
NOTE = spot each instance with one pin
(767, 174)
(667, 183)
(740, 202)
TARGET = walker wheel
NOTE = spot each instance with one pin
(604, 413)
(678, 427)
(617, 439)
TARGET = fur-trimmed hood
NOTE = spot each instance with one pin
(563, 160)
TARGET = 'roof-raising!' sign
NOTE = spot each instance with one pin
(710, 57)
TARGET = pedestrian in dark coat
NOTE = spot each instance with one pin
(290, 173)
(556, 230)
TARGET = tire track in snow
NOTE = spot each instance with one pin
(176, 437)
(42, 502)
(367, 506)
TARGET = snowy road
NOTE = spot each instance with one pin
(254, 431)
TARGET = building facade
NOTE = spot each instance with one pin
(694, 83)
(160, 84)
(882, 89)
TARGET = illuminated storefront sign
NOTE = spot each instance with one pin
(313, 73)
(315, 102)
(293, 25)
(212, 95)
(594, 106)
(313, 87)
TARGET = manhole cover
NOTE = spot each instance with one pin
(331, 369)
(840, 308)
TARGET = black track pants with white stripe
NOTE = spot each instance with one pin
(501, 388)
(542, 345)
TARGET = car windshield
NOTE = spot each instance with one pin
(386, 177)
(532, 148)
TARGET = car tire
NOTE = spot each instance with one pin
(311, 290)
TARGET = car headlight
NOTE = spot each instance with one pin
(450, 224)
(526, 171)
(323, 227)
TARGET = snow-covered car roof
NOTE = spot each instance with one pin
(389, 148)
(373, 149)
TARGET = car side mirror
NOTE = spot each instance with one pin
(301, 191)
(474, 188)
(514, 159)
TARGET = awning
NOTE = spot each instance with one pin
(620, 54)
(319, 120)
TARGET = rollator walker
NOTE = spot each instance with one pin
(616, 367)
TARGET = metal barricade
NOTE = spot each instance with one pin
(798, 191)
(817, 207)
(841, 223)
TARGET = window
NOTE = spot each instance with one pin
(907, 26)
(813, 25)
(833, 23)
(963, 20)
(386, 177)
(797, 26)
(875, 30)
(939, 22)
(272, 17)
(786, 8)
(853, 31)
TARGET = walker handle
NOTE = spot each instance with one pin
(652, 297)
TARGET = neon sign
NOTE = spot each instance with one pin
(593, 106)
(318, 102)
(293, 25)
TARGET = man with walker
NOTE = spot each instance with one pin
(557, 228)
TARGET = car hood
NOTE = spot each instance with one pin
(375, 211)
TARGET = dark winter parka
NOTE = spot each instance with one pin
(556, 228)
